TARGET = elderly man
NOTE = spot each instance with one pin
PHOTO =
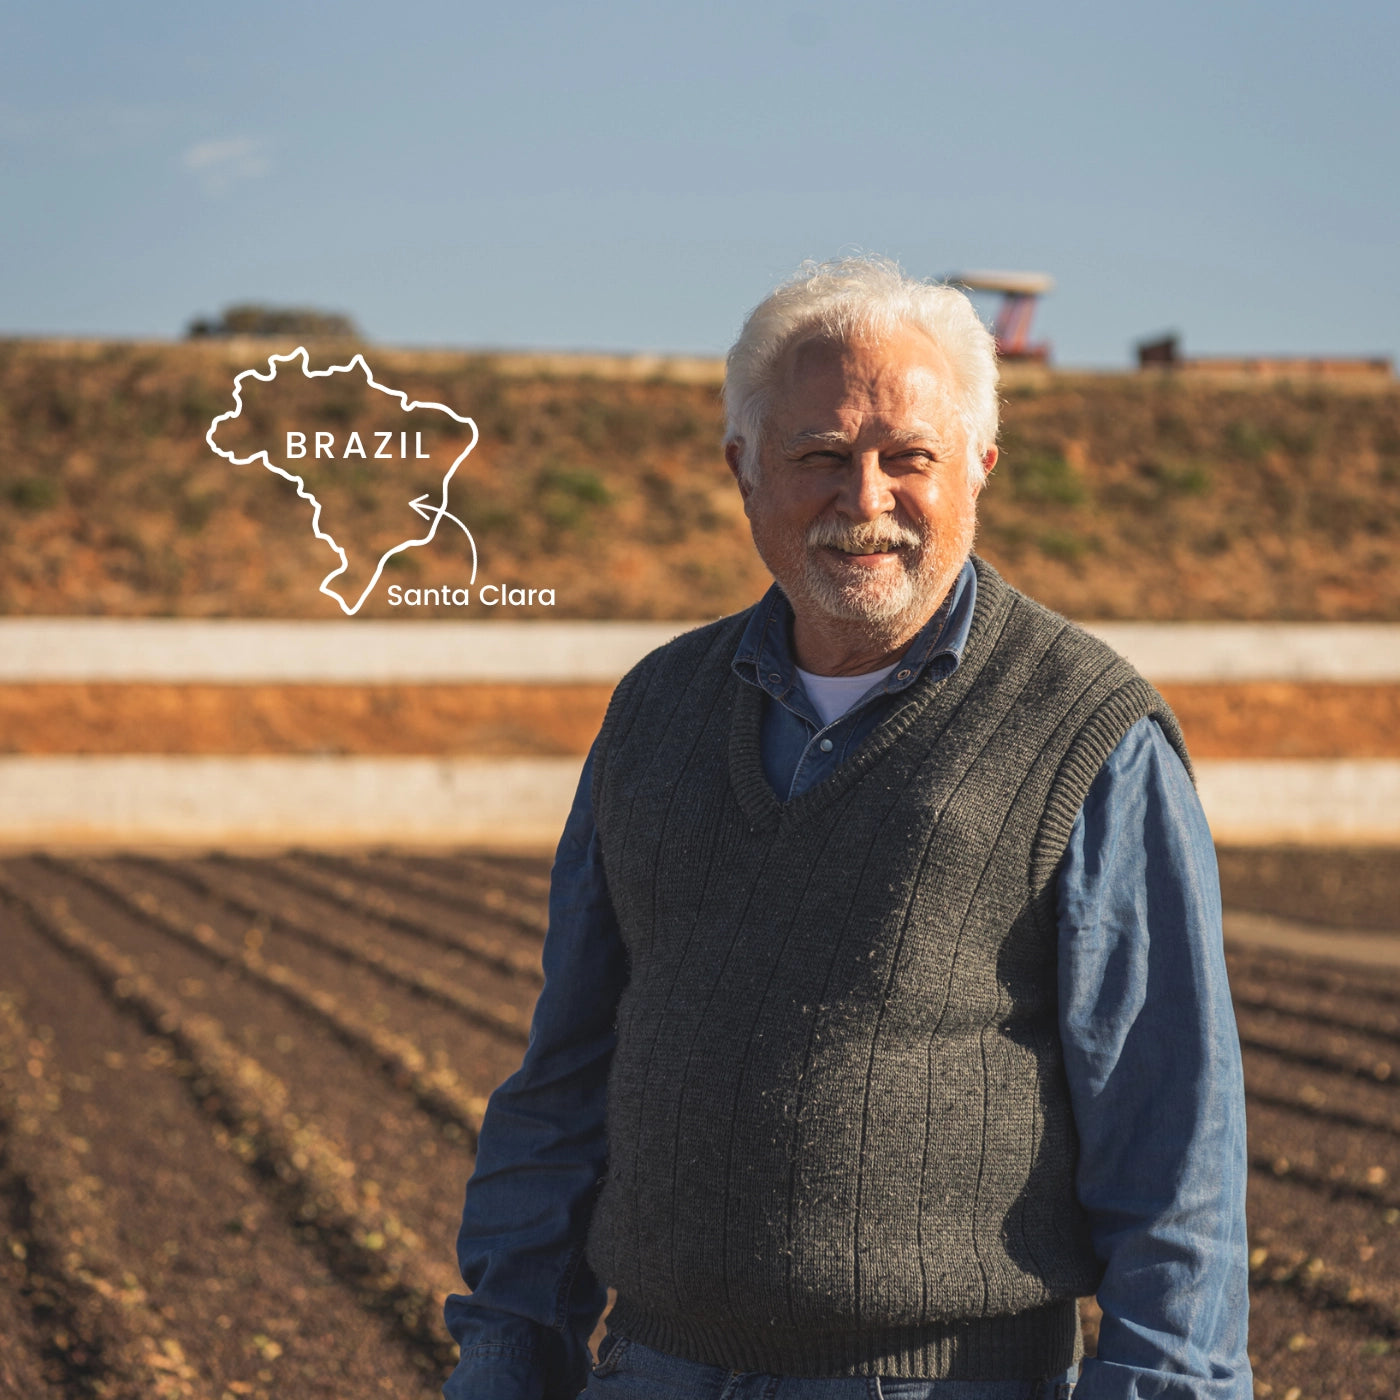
(885, 1011)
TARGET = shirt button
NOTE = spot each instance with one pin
(826, 746)
(774, 677)
(902, 675)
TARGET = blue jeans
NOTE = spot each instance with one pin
(626, 1370)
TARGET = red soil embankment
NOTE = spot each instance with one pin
(1253, 720)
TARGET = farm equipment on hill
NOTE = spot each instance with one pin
(1013, 323)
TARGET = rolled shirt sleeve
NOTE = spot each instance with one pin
(542, 1153)
(1152, 1058)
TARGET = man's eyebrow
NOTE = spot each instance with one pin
(834, 437)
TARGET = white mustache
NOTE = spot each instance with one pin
(867, 537)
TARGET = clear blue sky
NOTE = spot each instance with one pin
(628, 176)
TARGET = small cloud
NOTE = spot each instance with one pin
(218, 165)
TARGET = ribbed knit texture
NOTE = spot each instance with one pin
(840, 1138)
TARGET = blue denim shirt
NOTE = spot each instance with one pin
(1151, 1056)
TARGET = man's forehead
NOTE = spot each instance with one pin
(904, 371)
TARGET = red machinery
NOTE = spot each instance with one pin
(1013, 324)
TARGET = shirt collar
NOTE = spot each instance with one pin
(764, 655)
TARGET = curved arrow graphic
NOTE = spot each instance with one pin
(442, 513)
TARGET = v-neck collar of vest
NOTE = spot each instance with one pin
(757, 798)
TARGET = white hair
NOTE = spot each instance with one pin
(856, 298)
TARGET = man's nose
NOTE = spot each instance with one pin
(866, 492)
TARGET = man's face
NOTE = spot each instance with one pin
(862, 508)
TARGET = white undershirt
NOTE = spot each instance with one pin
(832, 696)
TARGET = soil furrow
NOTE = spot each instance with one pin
(1342, 1054)
(437, 1090)
(1314, 1353)
(415, 1165)
(1299, 1105)
(366, 1238)
(1336, 886)
(523, 877)
(1321, 1092)
(415, 1162)
(522, 910)
(1332, 1183)
(1344, 980)
(1347, 1253)
(359, 894)
(27, 1365)
(237, 1215)
(1324, 1287)
(1315, 1011)
(30, 1315)
(1364, 1161)
(90, 1329)
(511, 1022)
(478, 1056)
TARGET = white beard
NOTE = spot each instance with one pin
(890, 602)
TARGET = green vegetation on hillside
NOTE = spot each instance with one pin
(1116, 496)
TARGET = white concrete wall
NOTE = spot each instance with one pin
(190, 800)
(1260, 801)
(256, 801)
(352, 651)
(174, 800)
(349, 652)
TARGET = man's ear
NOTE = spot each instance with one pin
(733, 450)
(989, 460)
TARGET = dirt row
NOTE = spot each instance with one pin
(1254, 720)
(238, 1103)
(1354, 887)
(274, 1136)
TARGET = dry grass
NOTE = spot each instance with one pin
(1117, 496)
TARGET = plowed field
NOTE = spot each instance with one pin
(238, 1103)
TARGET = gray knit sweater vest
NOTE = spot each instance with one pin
(840, 1140)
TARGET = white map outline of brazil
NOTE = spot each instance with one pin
(431, 513)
